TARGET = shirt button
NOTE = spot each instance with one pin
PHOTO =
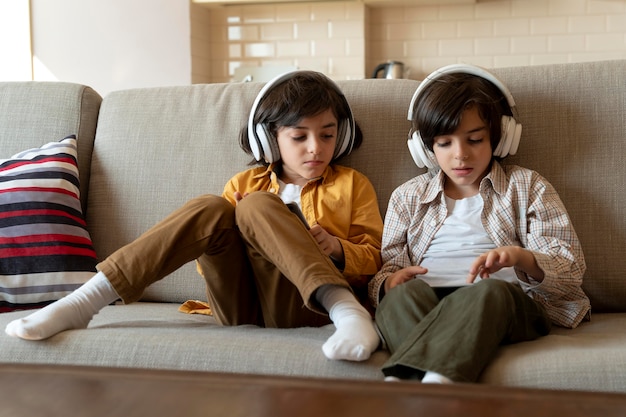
(433, 223)
(272, 189)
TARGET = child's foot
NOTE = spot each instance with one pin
(52, 319)
(435, 378)
(73, 311)
(355, 338)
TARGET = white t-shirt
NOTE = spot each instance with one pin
(290, 193)
(456, 245)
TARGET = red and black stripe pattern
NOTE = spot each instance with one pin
(45, 249)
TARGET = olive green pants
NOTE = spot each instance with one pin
(260, 264)
(458, 334)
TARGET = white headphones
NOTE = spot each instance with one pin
(264, 146)
(511, 130)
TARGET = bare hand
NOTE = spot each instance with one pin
(328, 243)
(238, 196)
(493, 261)
(403, 275)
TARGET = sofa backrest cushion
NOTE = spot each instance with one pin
(574, 134)
(33, 113)
(156, 148)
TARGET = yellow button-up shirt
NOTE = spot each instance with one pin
(342, 201)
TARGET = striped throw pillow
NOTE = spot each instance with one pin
(45, 249)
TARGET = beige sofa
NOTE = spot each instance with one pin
(144, 152)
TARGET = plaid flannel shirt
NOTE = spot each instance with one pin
(520, 208)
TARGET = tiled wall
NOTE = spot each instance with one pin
(201, 49)
(347, 39)
(327, 37)
(499, 33)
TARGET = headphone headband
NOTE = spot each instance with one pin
(255, 144)
(259, 139)
(511, 129)
(465, 69)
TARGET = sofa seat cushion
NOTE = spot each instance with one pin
(590, 357)
(157, 335)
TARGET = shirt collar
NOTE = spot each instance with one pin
(434, 188)
(327, 176)
(266, 173)
(496, 178)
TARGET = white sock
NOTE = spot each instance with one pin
(355, 338)
(435, 378)
(74, 311)
(391, 378)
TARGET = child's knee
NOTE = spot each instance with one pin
(257, 204)
(492, 286)
(410, 292)
(211, 208)
(494, 292)
(210, 202)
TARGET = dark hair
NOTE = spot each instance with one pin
(440, 105)
(306, 94)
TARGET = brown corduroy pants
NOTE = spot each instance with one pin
(260, 263)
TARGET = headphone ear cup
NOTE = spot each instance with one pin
(517, 135)
(263, 136)
(255, 144)
(510, 137)
(422, 156)
(345, 139)
(258, 136)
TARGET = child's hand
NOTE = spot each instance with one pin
(403, 275)
(504, 257)
(492, 261)
(238, 196)
(327, 242)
